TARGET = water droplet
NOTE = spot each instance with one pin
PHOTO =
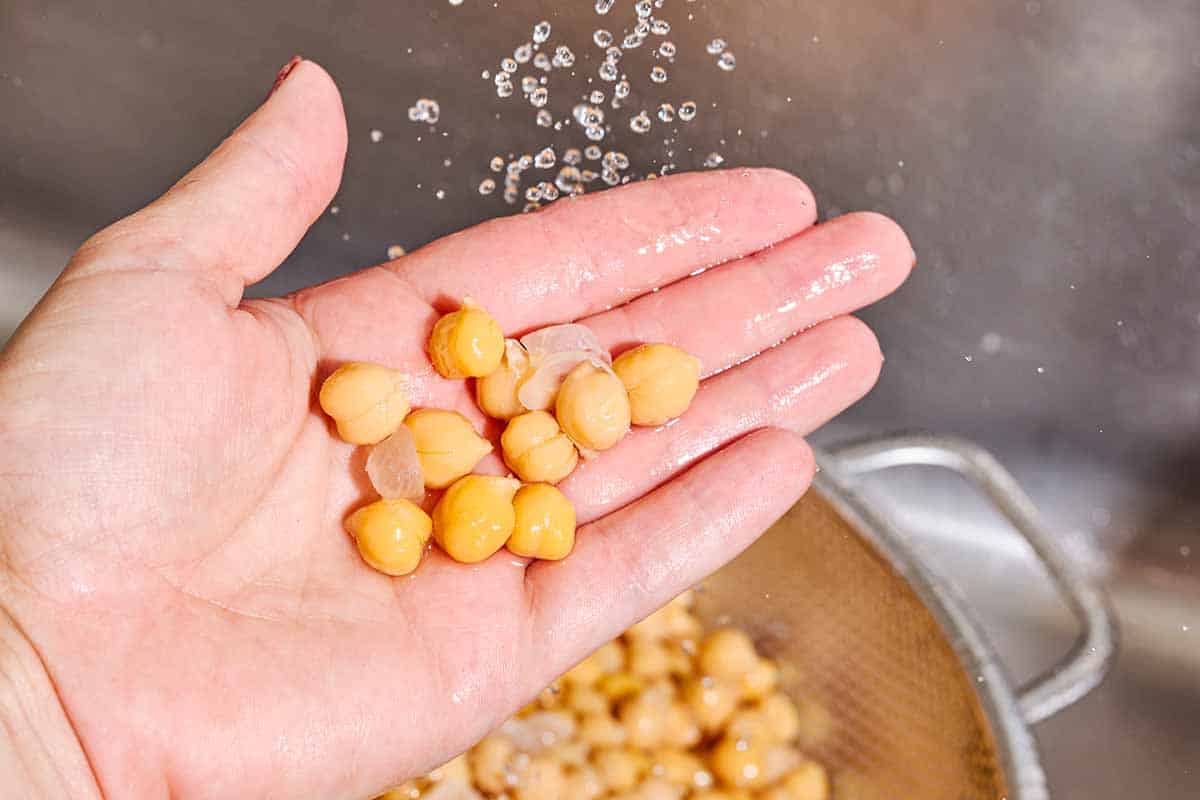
(502, 78)
(528, 84)
(504, 90)
(508, 64)
(511, 195)
(496, 164)
(615, 159)
(541, 31)
(440, 194)
(727, 61)
(564, 58)
(660, 27)
(644, 8)
(621, 90)
(534, 193)
(542, 61)
(667, 49)
(715, 46)
(591, 152)
(666, 112)
(529, 208)
(545, 159)
(713, 160)
(608, 71)
(523, 53)
(539, 97)
(611, 177)
(525, 161)
(544, 118)
(424, 110)
(595, 134)
(596, 97)
(640, 123)
(335, 210)
(569, 180)
(487, 186)
(658, 75)
(588, 176)
(486, 74)
(602, 38)
(687, 111)
(572, 157)
(613, 54)
(395, 251)
(632, 41)
(642, 29)
(549, 191)
(604, 6)
(376, 135)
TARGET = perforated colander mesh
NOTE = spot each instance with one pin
(886, 704)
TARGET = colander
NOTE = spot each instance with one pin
(902, 696)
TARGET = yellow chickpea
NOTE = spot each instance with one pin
(659, 789)
(467, 343)
(643, 722)
(607, 659)
(536, 449)
(655, 626)
(545, 523)
(541, 779)
(583, 699)
(711, 702)
(447, 445)
(573, 753)
(680, 728)
(738, 763)
(722, 794)
(496, 394)
(391, 535)
(620, 768)
(601, 730)
(727, 653)
(619, 685)
(781, 717)
(750, 724)
(405, 791)
(367, 401)
(649, 659)
(583, 783)
(489, 762)
(809, 781)
(661, 380)
(592, 407)
(682, 768)
(760, 681)
(456, 769)
(475, 517)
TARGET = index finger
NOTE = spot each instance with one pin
(584, 254)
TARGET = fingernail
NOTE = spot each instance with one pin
(284, 71)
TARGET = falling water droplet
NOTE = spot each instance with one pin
(687, 111)
(658, 74)
(715, 46)
(727, 61)
(640, 123)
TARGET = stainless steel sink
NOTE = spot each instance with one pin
(1043, 155)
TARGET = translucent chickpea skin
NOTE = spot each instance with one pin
(537, 450)
(661, 381)
(447, 445)
(467, 343)
(544, 525)
(367, 401)
(475, 517)
(391, 535)
(593, 407)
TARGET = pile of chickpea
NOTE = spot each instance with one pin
(666, 712)
(594, 404)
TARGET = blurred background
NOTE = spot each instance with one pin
(1044, 156)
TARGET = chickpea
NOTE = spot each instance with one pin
(738, 764)
(592, 407)
(710, 701)
(607, 659)
(447, 445)
(367, 401)
(682, 624)
(541, 779)
(456, 769)
(601, 730)
(661, 380)
(750, 724)
(405, 791)
(780, 759)
(721, 794)
(496, 394)
(643, 722)
(655, 626)
(618, 685)
(649, 659)
(808, 781)
(545, 523)
(536, 449)
(466, 344)
(659, 789)
(489, 763)
(781, 717)
(682, 768)
(475, 517)
(584, 699)
(760, 681)
(620, 768)
(727, 653)
(572, 754)
(583, 783)
(391, 535)
(679, 727)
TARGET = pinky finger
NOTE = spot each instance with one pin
(633, 561)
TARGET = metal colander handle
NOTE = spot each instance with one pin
(1085, 665)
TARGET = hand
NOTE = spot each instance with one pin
(172, 501)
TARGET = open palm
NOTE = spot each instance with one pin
(171, 506)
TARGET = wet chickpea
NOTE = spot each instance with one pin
(496, 394)
(779, 760)
(750, 724)
(711, 702)
(649, 659)
(682, 768)
(655, 626)
(738, 764)
(809, 781)
(467, 343)
(366, 401)
(456, 769)
(447, 445)
(592, 407)
(584, 699)
(391, 535)
(680, 729)
(545, 523)
(489, 763)
(618, 685)
(601, 730)
(607, 659)
(658, 789)
(620, 768)
(541, 779)
(583, 783)
(781, 716)
(573, 753)
(661, 381)
(721, 794)
(475, 517)
(760, 681)
(536, 449)
(727, 653)
(643, 722)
